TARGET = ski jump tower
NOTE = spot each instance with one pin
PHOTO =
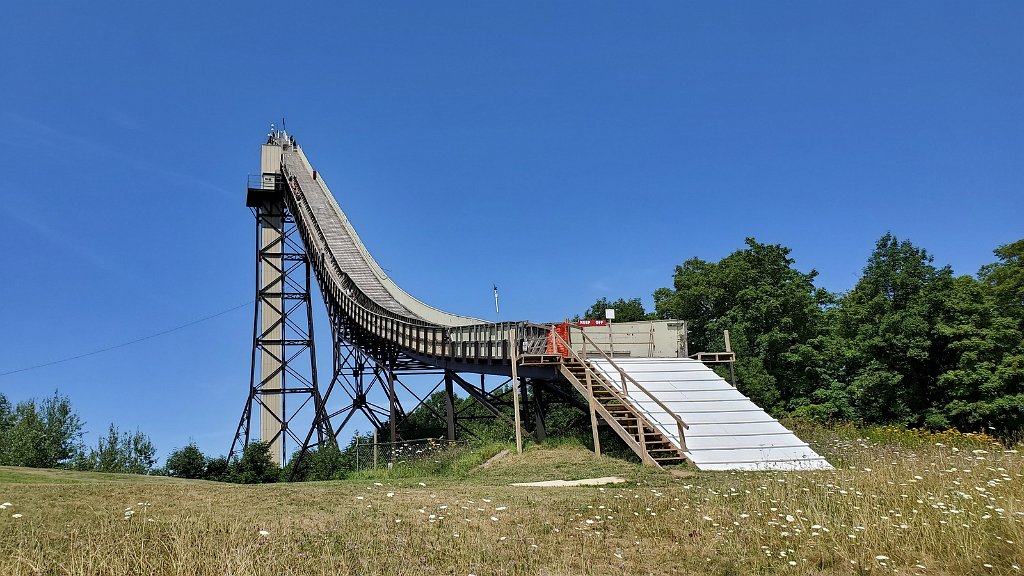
(635, 378)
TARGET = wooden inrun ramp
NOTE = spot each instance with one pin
(686, 411)
(668, 410)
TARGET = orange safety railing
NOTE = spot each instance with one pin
(557, 345)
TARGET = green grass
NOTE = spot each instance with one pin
(949, 503)
(14, 475)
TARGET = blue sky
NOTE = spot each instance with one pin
(563, 151)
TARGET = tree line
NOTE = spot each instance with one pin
(48, 434)
(910, 344)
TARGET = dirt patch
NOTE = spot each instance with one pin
(563, 483)
(494, 458)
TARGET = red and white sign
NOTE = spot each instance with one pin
(588, 323)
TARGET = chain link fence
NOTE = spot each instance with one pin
(366, 454)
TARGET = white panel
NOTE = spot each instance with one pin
(785, 439)
(727, 431)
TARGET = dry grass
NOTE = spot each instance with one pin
(898, 504)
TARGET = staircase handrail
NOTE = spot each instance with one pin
(679, 421)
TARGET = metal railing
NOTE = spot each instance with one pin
(256, 182)
(491, 341)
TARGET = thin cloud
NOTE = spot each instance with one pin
(32, 132)
(61, 240)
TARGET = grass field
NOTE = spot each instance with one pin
(898, 503)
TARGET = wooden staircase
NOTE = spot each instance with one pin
(614, 407)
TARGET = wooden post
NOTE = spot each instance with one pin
(650, 347)
(593, 411)
(732, 363)
(611, 340)
(686, 340)
(375, 448)
(642, 431)
(515, 391)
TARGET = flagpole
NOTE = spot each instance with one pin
(497, 313)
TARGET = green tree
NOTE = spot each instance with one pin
(1006, 279)
(325, 462)
(770, 308)
(126, 453)
(981, 381)
(256, 466)
(187, 462)
(43, 435)
(631, 310)
(428, 419)
(887, 323)
(216, 469)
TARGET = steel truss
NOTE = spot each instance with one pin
(364, 365)
(283, 361)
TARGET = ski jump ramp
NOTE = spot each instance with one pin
(669, 410)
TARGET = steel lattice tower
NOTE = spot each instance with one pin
(283, 375)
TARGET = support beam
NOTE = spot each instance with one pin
(539, 427)
(392, 404)
(480, 397)
(515, 391)
(449, 404)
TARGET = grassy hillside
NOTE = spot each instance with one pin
(900, 503)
